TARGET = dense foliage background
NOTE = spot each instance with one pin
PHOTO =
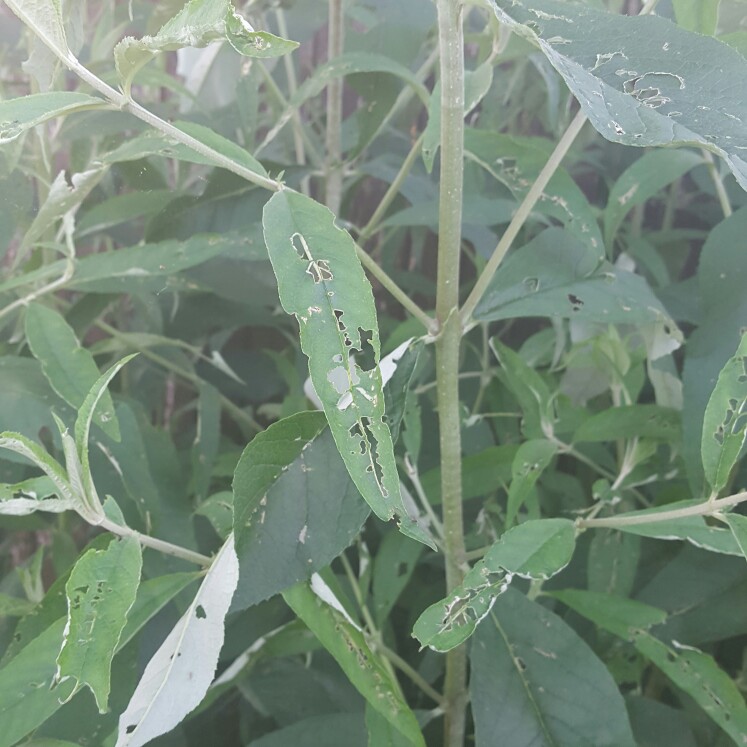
(585, 372)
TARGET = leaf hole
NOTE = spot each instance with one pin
(200, 612)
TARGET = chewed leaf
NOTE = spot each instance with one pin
(180, 672)
(534, 549)
(322, 283)
(100, 592)
(641, 80)
(198, 23)
(725, 420)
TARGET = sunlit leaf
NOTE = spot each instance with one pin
(180, 672)
(100, 592)
(322, 283)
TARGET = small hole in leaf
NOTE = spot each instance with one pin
(575, 301)
(200, 612)
(131, 728)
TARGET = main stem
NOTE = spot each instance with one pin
(451, 46)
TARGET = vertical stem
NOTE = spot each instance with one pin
(334, 111)
(451, 47)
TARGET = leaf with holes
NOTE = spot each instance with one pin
(534, 550)
(641, 80)
(197, 24)
(725, 420)
(322, 612)
(100, 592)
(551, 687)
(177, 677)
(532, 458)
(322, 283)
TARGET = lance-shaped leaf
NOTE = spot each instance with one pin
(530, 461)
(725, 420)
(641, 80)
(100, 592)
(197, 24)
(322, 283)
(21, 114)
(69, 367)
(738, 525)
(536, 682)
(534, 549)
(180, 672)
(322, 612)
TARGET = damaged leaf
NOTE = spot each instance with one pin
(322, 283)
(640, 79)
(100, 592)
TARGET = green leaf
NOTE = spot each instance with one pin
(404, 359)
(14, 606)
(738, 525)
(178, 675)
(641, 181)
(44, 18)
(328, 729)
(556, 275)
(69, 367)
(153, 143)
(26, 695)
(631, 421)
(639, 79)
(317, 606)
(532, 458)
(621, 616)
(198, 23)
(35, 494)
(393, 567)
(322, 283)
(380, 732)
(287, 485)
(535, 549)
(207, 439)
(525, 664)
(725, 421)
(516, 162)
(693, 529)
(26, 112)
(100, 592)
(697, 15)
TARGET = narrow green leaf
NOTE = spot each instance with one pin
(207, 439)
(328, 729)
(532, 458)
(381, 733)
(14, 606)
(21, 114)
(725, 420)
(621, 616)
(738, 525)
(631, 421)
(345, 642)
(100, 592)
(197, 24)
(641, 181)
(534, 549)
(283, 528)
(322, 283)
(69, 367)
(700, 16)
(639, 79)
(535, 682)
(44, 18)
(26, 695)
(393, 567)
(176, 679)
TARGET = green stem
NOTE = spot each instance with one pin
(369, 229)
(707, 508)
(718, 182)
(521, 215)
(156, 544)
(451, 47)
(413, 674)
(333, 171)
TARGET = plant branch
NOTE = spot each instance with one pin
(706, 508)
(451, 48)
(718, 183)
(521, 215)
(156, 544)
(333, 170)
